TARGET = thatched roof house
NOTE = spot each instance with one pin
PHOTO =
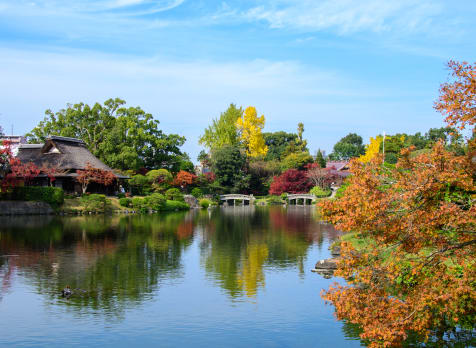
(66, 156)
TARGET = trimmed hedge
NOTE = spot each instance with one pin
(320, 192)
(125, 202)
(51, 195)
(174, 194)
(175, 205)
(157, 202)
(95, 202)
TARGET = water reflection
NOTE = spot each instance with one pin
(110, 262)
(236, 250)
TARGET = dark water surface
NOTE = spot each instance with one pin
(230, 277)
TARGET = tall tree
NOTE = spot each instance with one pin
(411, 269)
(122, 137)
(229, 167)
(223, 130)
(277, 143)
(348, 147)
(249, 127)
(320, 159)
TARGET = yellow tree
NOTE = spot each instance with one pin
(250, 126)
(372, 149)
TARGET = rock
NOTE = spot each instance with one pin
(191, 201)
(329, 264)
(335, 250)
(326, 267)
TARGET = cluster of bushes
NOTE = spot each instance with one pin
(51, 195)
(155, 202)
(274, 200)
(320, 192)
(95, 203)
(205, 203)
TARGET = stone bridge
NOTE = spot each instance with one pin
(304, 196)
(237, 197)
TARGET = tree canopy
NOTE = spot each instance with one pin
(277, 143)
(249, 127)
(228, 164)
(223, 130)
(410, 265)
(348, 147)
(122, 137)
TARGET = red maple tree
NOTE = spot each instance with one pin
(291, 181)
(91, 174)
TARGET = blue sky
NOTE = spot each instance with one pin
(338, 66)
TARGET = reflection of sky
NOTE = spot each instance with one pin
(338, 66)
(189, 309)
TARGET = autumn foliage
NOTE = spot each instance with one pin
(96, 175)
(291, 181)
(458, 98)
(184, 179)
(412, 269)
(13, 171)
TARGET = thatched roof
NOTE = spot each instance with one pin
(61, 153)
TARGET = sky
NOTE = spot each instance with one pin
(338, 66)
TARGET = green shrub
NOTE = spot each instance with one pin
(341, 190)
(155, 201)
(284, 196)
(137, 202)
(296, 160)
(96, 203)
(51, 195)
(160, 179)
(175, 205)
(320, 192)
(205, 203)
(174, 194)
(197, 193)
(271, 200)
(125, 202)
(140, 185)
(121, 195)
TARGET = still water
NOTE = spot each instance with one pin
(229, 277)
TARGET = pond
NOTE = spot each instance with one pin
(234, 277)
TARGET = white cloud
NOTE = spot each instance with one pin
(347, 16)
(185, 96)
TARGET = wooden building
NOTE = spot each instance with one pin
(66, 156)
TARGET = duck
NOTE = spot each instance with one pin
(66, 292)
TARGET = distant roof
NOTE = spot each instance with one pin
(337, 165)
(20, 139)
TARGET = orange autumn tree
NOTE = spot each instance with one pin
(412, 267)
(184, 179)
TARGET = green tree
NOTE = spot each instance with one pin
(296, 160)
(277, 143)
(223, 130)
(348, 147)
(122, 137)
(228, 164)
(298, 145)
(320, 159)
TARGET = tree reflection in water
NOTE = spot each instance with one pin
(235, 250)
(110, 262)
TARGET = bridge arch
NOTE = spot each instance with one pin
(294, 197)
(237, 197)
